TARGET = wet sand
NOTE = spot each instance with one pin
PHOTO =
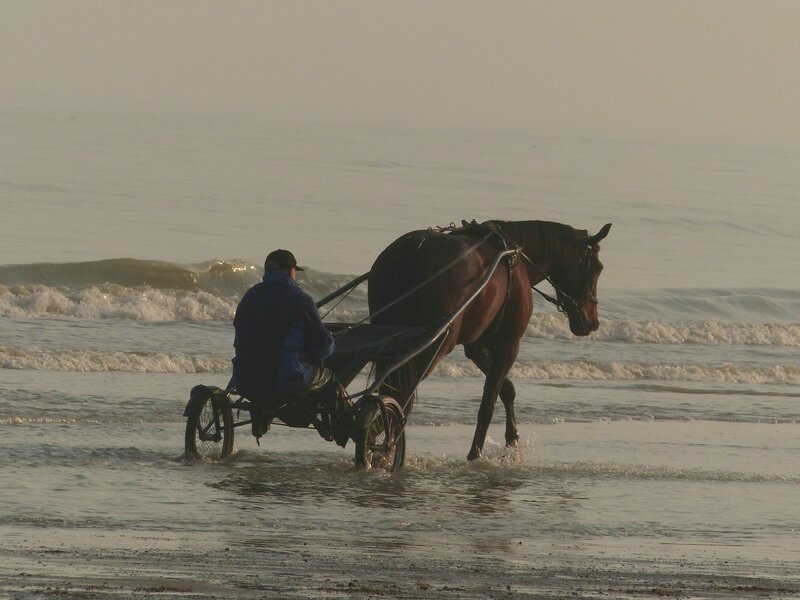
(254, 563)
(623, 509)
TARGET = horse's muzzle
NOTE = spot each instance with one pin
(580, 325)
(584, 329)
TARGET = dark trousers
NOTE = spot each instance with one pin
(296, 407)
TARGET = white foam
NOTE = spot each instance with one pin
(549, 326)
(20, 420)
(79, 360)
(627, 371)
(110, 301)
(91, 360)
(701, 332)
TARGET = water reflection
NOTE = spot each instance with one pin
(437, 492)
(297, 484)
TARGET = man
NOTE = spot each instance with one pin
(280, 345)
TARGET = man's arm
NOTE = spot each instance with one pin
(318, 340)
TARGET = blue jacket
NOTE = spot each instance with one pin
(280, 339)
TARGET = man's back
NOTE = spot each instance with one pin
(280, 339)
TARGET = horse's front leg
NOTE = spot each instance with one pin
(507, 395)
(495, 378)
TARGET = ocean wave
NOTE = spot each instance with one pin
(701, 332)
(81, 360)
(553, 327)
(111, 301)
(161, 291)
(224, 277)
(632, 371)
(147, 290)
(740, 304)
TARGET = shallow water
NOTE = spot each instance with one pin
(684, 495)
(659, 456)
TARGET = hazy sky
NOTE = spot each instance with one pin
(727, 68)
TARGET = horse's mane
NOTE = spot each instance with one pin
(540, 239)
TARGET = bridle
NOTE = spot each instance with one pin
(564, 299)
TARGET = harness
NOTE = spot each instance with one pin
(495, 232)
(487, 231)
(491, 233)
(566, 299)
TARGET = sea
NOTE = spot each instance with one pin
(659, 456)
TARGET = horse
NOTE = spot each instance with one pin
(433, 271)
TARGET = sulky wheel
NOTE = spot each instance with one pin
(381, 438)
(209, 429)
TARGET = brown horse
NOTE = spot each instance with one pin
(443, 267)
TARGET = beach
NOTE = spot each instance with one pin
(529, 525)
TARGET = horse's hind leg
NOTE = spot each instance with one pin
(482, 358)
(507, 395)
(496, 367)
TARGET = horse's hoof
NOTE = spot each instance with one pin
(474, 455)
(512, 443)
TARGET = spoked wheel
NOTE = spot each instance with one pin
(209, 429)
(381, 437)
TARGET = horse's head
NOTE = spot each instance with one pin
(575, 280)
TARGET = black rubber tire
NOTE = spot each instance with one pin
(209, 430)
(374, 449)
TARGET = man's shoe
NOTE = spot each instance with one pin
(261, 421)
(324, 428)
(341, 436)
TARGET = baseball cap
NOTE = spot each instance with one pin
(281, 260)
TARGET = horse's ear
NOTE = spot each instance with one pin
(600, 234)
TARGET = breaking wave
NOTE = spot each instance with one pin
(112, 301)
(218, 276)
(223, 278)
(632, 371)
(160, 291)
(679, 332)
(80, 360)
(143, 290)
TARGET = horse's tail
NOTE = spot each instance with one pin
(402, 384)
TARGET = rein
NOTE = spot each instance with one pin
(561, 305)
(445, 268)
